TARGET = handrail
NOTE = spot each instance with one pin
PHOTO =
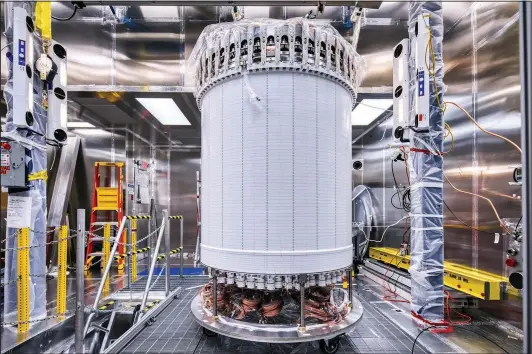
(104, 276)
(153, 262)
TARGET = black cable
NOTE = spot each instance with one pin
(466, 224)
(418, 335)
(395, 269)
(199, 341)
(400, 194)
(519, 222)
(68, 18)
(461, 327)
(483, 336)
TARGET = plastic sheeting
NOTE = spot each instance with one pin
(426, 174)
(35, 161)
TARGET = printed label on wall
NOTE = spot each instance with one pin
(18, 212)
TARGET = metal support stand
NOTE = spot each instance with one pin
(215, 294)
(525, 39)
(80, 281)
(167, 255)
(181, 247)
(302, 281)
(154, 261)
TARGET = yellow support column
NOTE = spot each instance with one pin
(122, 262)
(23, 265)
(43, 18)
(134, 250)
(62, 272)
(106, 252)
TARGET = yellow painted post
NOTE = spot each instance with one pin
(23, 265)
(106, 253)
(43, 18)
(122, 261)
(134, 250)
(61, 271)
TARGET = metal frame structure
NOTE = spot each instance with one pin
(525, 29)
(275, 333)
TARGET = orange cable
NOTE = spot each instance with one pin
(484, 130)
(480, 196)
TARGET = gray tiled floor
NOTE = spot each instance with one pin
(176, 331)
(376, 334)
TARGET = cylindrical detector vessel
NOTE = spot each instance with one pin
(276, 100)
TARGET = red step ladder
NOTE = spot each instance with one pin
(105, 199)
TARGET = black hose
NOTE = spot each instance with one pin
(68, 18)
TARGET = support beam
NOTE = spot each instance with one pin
(426, 161)
(525, 39)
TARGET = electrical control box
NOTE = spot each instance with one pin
(422, 103)
(22, 68)
(57, 96)
(401, 92)
(13, 171)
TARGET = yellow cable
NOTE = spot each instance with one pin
(443, 108)
(448, 128)
(484, 130)
(478, 195)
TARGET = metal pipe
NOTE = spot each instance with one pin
(525, 39)
(154, 260)
(302, 280)
(105, 275)
(167, 253)
(80, 281)
(214, 295)
(181, 246)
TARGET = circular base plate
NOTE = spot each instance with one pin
(273, 333)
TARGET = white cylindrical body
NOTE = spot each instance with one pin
(276, 174)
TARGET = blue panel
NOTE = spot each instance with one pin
(421, 83)
(21, 52)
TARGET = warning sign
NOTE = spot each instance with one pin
(4, 160)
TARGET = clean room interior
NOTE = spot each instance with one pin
(265, 176)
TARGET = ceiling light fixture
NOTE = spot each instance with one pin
(79, 125)
(164, 110)
(370, 109)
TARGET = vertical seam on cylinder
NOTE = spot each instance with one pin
(267, 167)
(293, 167)
(222, 131)
(242, 151)
(317, 164)
(335, 176)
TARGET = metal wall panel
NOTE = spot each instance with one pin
(89, 50)
(150, 53)
(183, 167)
(485, 34)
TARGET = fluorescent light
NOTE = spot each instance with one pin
(79, 125)
(93, 132)
(164, 110)
(368, 110)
